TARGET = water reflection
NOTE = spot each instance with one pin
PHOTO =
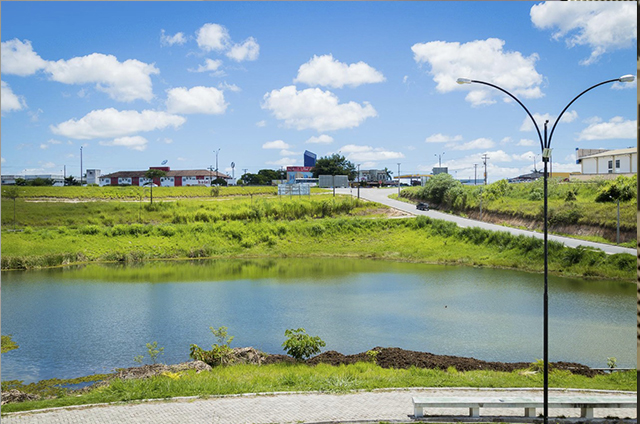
(76, 321)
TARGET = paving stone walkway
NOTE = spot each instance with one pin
(382, 405)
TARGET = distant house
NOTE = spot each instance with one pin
(595, 162)
(182, 178)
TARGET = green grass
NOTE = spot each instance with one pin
(111, 213)
(420, 239)
(134, 193)
(525, 201)
(325, 378)
(8, 344)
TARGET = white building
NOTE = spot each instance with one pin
(621, 161)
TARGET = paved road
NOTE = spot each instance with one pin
(381, 196)
(384, 405)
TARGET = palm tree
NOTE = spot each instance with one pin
(153, 174)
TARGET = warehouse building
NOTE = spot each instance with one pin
(181, 178)
(601, 161)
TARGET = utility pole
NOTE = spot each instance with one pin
(217, 151)
(210, 175)
(64, 173)
(359, 181)
(398, 180)
(475, 174)
(484, 158)
(80, 166)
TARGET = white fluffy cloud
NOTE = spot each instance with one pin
(210, 65)
(9, 101)
(321, 139)
(276, 144)
(483, 60)
(124, 81)
(213, 37)
(249, 50)
(479, 143)
(602, 26)
(442, 138)
(109, 123)
(134, 143)
(170, 40)
(18, 58)
(617, 127)
(327, 71)
(206, 100)
(368, 153)
(527, 125)
(314, 108)
(526, 142)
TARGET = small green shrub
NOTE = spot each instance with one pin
(153, 350)
(372, 356)
(301, 345)
(221, 353)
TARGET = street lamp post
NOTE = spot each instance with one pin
(398, 180)
(545, 145)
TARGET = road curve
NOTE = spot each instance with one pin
(381, 196)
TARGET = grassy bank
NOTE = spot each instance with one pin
(417, 239)
(326, 378)
(570, 203)
(30, 214)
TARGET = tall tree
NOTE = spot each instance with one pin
(152, 174)
(335, 164)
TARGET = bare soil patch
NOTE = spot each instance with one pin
(393, 357)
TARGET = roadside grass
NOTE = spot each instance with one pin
(135, 192)
(420, 239)
(324, 378)
(113, 213)
(595, 239)
(569, 203)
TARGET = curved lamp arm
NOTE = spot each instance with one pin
(535, 124)
(571, 102)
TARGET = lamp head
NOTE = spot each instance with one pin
(465, 80)
(627, 78)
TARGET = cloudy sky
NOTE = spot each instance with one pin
(135, 84)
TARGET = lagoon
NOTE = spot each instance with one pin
(76, 321)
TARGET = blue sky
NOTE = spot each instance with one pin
(137, 83)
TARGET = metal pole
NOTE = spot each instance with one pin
(358, 181)
(80, 166)
(398, 180)
(545, 325)
(618, 229)
(475, 174)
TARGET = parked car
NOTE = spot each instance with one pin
(422, 206)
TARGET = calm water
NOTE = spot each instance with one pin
(79, 321)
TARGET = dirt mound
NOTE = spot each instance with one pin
(14, 395)
(394, 357)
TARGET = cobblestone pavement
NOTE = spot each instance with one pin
(383, 405)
